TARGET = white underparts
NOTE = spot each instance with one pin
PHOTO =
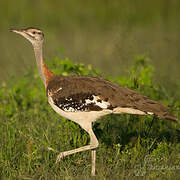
(79, 117)
(150, 113)
(120, 110)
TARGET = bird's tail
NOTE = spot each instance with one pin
(168, 116)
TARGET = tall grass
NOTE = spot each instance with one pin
(32, 134)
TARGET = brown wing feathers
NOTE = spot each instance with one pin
(80, 88)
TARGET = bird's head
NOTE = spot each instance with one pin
(34, 35)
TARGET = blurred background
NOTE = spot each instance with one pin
(106, 33)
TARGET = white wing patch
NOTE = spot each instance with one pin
(89, 103)
(98, 102)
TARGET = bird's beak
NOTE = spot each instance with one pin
(16, 30)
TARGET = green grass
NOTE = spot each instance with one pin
(130, 147)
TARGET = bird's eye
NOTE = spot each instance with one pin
(34, 32)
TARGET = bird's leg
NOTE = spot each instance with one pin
(93, 156)
(93, 145)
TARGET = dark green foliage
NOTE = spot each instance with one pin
(32, 134)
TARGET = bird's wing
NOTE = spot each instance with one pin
(76, 93)
(86, 93)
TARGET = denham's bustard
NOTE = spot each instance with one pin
(84, 99)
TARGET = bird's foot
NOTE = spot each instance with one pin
(60, 157)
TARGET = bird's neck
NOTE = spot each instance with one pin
(44, 72)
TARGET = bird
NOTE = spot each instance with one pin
(83, 99)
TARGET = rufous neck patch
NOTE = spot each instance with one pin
(47, 73)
